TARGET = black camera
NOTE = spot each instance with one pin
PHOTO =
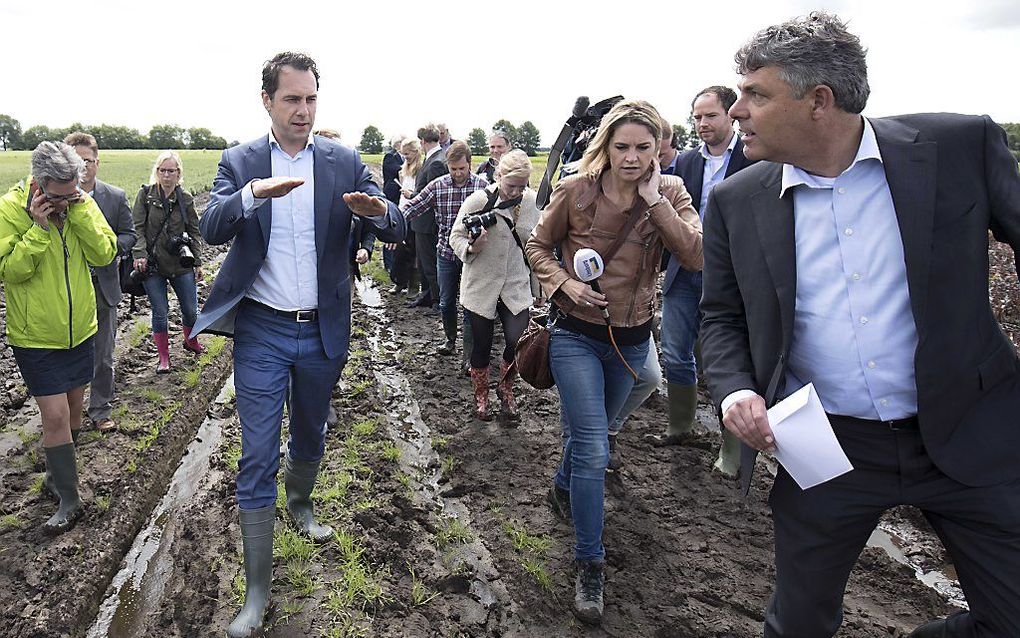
(181, 244)
(139, 276)
(475, 223)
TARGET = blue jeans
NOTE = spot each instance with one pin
(448, 272)
(681, 319)
(649, 378)
(593, 383)
(271, 356)
(187, 297)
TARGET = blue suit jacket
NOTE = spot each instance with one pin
(690, 166)
(338, 170)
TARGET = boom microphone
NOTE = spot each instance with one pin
(581, 106)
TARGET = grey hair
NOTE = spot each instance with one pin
(56, 161)
(809, 51)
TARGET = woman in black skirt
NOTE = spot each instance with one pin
(50, 233)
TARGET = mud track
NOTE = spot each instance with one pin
(442, 526)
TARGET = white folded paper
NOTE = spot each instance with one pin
(805, 442)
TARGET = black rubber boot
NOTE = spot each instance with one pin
(589, 587)
(63, 468)
(559, 500)
(257, 539)
(299, 481)
(48, 488)
(450, 331)
(467, 342)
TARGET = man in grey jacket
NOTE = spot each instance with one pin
(105, 280)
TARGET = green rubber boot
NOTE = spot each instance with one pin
(299, 481)
(683, 405)
(728, 463)
(63, 467)
(450, 332)
(257, 539)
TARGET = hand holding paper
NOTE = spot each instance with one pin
(805, 442)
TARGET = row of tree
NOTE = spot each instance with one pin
(525, 137)
(110, 136)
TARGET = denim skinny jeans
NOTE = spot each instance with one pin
(187, 297)
(593, 384)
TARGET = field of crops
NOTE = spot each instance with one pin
(131, 169)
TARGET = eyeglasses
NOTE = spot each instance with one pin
(76, 195)
(90, 162)
(167, 171)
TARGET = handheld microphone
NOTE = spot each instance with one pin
(588, 266)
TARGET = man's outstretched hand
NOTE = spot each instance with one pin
(365, 205)
(275, 186)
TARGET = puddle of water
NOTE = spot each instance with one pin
(138, 587)
(889, 539)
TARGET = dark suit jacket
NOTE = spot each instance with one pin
(113, 202)
(690, 166)
(391, 164)
(338, 170)
(952, 180)
(430, 170)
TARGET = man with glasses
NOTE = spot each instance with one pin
(106, 279)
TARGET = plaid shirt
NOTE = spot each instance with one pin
(441, 196)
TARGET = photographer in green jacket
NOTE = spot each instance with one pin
(50, 233)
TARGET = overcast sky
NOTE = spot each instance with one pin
(399, 64)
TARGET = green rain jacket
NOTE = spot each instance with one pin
(50, 300)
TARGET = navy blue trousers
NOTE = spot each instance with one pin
(271, 356)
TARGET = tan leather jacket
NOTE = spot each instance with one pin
(579, 215)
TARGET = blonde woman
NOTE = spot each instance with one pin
(617, 193)
(403, 271)
(167, 251)
(496, 280)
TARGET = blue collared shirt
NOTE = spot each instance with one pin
(715, 171)
(854, 335)
(288, 277)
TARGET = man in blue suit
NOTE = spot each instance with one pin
(285, 201)
(720, 155)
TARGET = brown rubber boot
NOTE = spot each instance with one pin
(480, 382)
(505, 392)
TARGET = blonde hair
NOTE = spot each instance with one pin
(514, 163)
(162, 157)
(596, 156)
(411, 169)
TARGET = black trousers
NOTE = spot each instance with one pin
(820, 532)
(425, 245)
(482, 331)
(404, 261)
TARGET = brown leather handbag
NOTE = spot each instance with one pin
(531, 356)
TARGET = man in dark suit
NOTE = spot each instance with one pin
(285, 203)
(106, 279)
(426, 231)
(720, 155)
(856, 259)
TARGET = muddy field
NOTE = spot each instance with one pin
(442, 525)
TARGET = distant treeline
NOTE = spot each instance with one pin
(1013, 137)
(110, 136)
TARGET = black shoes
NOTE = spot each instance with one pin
(615, 460)
(447, 348)
(560, 502)
(421, 301)
(589, 588)
(933, 629)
